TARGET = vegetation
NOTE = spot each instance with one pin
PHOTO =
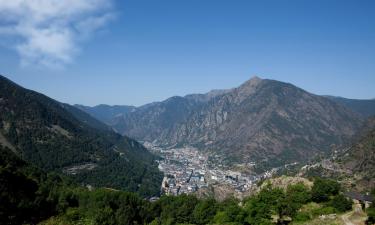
(371, 215)
(371, 211)
(28, 195)
(32, 196)
(56, 137)
(323, 189)
(111, 207)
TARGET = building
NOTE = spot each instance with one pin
(365, 200)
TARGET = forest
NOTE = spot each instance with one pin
(55, 137)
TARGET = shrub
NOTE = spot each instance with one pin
(324, 211)
(302, 217)
(323, 189)
(340, 203)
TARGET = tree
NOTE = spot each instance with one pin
(323, 189)
(229, 212)
(298, 193)
(260, 207)
(296, 196)
(341, 203)
(371, 211)
(204, 211)
(371, 215)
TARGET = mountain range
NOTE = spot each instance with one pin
(62, 166)
(365, 107)
(57, 137)
(262, 120)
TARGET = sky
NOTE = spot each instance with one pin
(133, 52)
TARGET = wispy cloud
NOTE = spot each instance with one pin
(49, 32)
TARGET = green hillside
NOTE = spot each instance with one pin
(34, 197)
(45, 133)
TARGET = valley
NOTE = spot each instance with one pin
(187, 112)
(78, 170)
(187, 170)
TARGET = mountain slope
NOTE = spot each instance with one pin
(262, 120)
(360, 158)
(86, 118)
(42, 131)
(364, 107)
(353, 165)
(27, 197)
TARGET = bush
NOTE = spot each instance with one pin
(302, 217)
(323, 189)
(298, 193)
(371, 215)
(340, 203)
(230, 213)
(324, 211)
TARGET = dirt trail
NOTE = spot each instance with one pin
(354, 217)
(345, 218)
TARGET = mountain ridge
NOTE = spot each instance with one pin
(259, 120)
(365, 107)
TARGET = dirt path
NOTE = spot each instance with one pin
(354, 217)
(345, 218)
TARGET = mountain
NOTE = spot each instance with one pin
(260, 121)
(365, 107)
(175, 110)
(58, 137)
(86, 118)
(106, 113)
(353, 164)
(27, 197)
(360, 157)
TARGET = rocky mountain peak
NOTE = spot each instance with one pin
(248, 88)
(253, 81)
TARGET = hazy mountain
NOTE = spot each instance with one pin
(260, 120)
(365, 107)
(86, 118)
(106, 113)
(51, 135)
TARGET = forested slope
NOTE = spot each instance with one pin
(42, 131)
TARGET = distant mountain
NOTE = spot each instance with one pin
(86, 118)
(365, 107)
(106, 113)
(58, 137)
(260, 121)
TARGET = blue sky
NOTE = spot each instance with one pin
(138, 51)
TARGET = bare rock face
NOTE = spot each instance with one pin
(261, 120)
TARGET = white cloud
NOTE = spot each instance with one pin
(49, 32)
